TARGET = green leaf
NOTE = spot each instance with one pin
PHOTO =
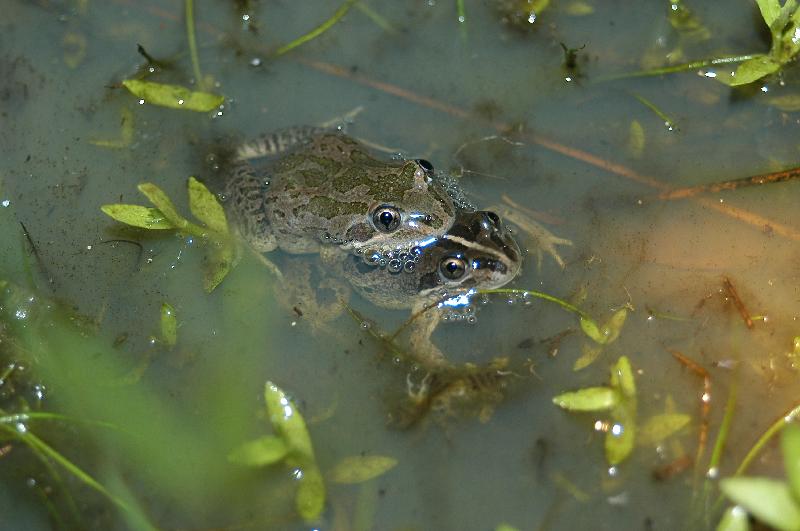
(169, 325)
(310, 497)
(219, 262)
(621, 436)
(790, 445)
(588, 399)
(579, 9)
(162, 202)
(768, 500)
(206, 208)
(636, 139)
(173, 96)
(288, 422)
(734, 519)
(787, 102)
(659, 427)
(591, 329)
(622, 377)
(751, 70)
(770, 10)
(614, 325)
(358, 469)
(259, 452)
(505, 527)
(589, 355)
(138, 216)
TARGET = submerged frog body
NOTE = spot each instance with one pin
(319, 188)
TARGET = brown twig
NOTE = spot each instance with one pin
(755, 180)
(737, 301)
(705, 399)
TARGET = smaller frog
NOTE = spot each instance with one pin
(318, 188)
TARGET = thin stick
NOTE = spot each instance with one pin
(755, 180)
(319, 30)
(737, 301)
(705, 400)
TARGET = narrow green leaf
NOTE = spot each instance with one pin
(288, 422)
(620, 438)
(358, 469)
(770, 9)
(206, 208)
(591, 329)
(138, 216)
(169, 325)
(579, 9)
(636, 139)
(589, 355)
(219, 262)
(750, 70)
(173, 96)
(659, 427)
(505, 527)
(734, 519)
(163, 203)
(768, 500)
(310, 497)
(790, 445)
(622, 377)
(588, 399)
(259, 452)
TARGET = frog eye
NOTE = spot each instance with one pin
(386, 218)
(452, 267)
(425, 165)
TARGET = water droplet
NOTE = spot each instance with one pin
(394, 266)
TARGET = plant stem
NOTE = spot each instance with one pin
(198, 76)
(539, 295)
(319, 30)
(681, 67)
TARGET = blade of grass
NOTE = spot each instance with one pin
(319, 30)
(43, 448)
(376, 17)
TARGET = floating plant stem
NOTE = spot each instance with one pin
(684, 67)
(776, 426)
(198, 76)
(539, 295)
(319, 30)
(737, 301)
(376, 17)
(658, 112)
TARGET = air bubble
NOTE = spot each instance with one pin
(365, 325)
(410, 266)
(395, 266)
(471, 319)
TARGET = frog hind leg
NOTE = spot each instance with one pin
(272, 144)
(244, 200)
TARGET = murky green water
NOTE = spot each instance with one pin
(426, 85)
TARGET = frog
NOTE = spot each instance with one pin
(318, 188)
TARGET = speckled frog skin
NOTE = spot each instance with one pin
(318, 188)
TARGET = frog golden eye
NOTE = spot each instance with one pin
(386, 218)
(452, 267)
(425, 165)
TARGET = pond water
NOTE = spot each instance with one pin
(490, 101)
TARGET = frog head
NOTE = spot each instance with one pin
(477, 252)
(407, 206)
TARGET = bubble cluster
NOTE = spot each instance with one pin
(464, 314)
(394, 260)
